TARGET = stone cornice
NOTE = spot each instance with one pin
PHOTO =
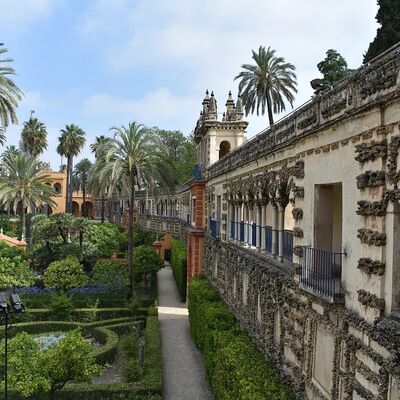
(367, 88)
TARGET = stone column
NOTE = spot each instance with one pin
(259, 222)
(246, 217)
(281, 227)
(274, 227)
(263, 224)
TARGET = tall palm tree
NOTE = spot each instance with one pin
(99, 187)
(133, 160)
(81, 180)
(34, 137)
(23, 186)
(266, 84)
(71, 141)
(10, 94)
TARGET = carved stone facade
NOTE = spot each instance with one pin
(301, 229)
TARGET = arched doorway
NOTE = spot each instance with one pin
(75, 209)
(224, 148)
(87, 209)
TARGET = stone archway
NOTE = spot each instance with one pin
(224, 148)
(75, 209)
(87, 209)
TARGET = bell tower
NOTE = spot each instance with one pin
(216, 138)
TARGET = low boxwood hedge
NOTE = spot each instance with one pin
(152, 366)
(235, 368)
(178, 264)
(109, 340)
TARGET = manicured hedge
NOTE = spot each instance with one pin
(81, 314)
(235, 368)
(152, 367)
(178, 264)
(109, 340)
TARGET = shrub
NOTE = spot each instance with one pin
(235, 368)
(146, 261)
(178, 264)
(65, 274)
(35, 371)
(61, 307)
(110, 274)
(14, 272)
(11, 251)
(106, 237)
(143, 238)
(129, 345)
(109, 340)
(152, 367)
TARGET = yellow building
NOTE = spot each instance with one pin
(59, 183)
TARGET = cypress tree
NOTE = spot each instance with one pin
(388, 33)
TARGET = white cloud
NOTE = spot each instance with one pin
(17, 14)
(206, 42)
(159, 105)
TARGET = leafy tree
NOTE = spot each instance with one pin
(24, 186)
(264, 86)
(146, 261)
(34, 137)
(180, 153)
(81, 180)
(71, 141)
(110, 274)
(333, 67)
(133, 160)
(65, 274)
(33, 370)
(107, 238)
(10, 94)
(14, 272)
(388, 34)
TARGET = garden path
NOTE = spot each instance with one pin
(183, 363)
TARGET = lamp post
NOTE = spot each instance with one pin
(12, 305)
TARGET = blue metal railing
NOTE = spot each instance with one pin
(214, 229)
(241, 231)
(268, 239)
(288, 245)
(197, 172)
(321, 273)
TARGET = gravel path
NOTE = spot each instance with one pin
(183, 363)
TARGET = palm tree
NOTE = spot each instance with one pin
(10, 94)
(34, 137)
(71, 141)
(99, 187)
(81, 180)
(134, 159)
(23, 186)
(266, 84)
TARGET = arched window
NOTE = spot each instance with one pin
(57, 188)
(224, 148)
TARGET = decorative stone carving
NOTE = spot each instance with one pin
(298, 232)
(371, 266)
(297, 213)
(394, 145)
(371, 237)
(371, 151)
(298, 251)
(298, 191)
(370, 179)
(298, 169)
(377, 208)
(370, 300)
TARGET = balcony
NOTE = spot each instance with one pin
(215, 229)
(321, 274)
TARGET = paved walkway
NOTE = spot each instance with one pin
(183, 363)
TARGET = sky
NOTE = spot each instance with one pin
(105, 63)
